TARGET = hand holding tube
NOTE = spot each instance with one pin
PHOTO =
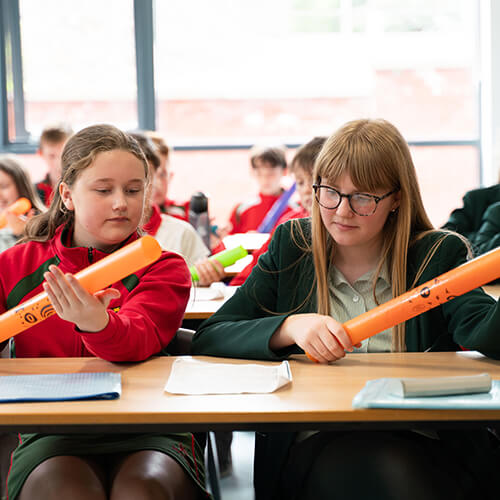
(445, 287)
(19, 207)
(226, 258)
(94, 278)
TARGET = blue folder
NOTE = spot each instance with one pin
(378, 394)
(60, 387)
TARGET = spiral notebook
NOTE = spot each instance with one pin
(60, 387)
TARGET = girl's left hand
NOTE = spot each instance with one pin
(73, 303)
(17, 223)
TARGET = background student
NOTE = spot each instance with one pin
(301, 168)
(14, 184)
(369, 239)
(268, 166)
(172, 233)
(50, 148)
(97, 209)
(162, 178)
(479, 218)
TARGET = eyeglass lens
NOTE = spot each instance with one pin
(360, 203)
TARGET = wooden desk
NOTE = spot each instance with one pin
(203, 309)
(319, 397)
(493, 290)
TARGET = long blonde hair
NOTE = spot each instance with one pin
(79, 153)
(375, 156)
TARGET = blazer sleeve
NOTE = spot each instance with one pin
(473, 319)
(488, 235)
(243, 326)
(149, 316)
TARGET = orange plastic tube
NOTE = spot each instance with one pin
(447, 286)
(19, 207)
(97, 276)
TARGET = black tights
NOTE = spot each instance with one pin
(375, 466)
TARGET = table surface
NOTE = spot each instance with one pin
(320, 396)
(203, 309)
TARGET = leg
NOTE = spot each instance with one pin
(381, 465)
(65, 477)
(151, 475)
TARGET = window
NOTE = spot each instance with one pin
(78, 65)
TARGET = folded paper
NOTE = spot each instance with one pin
(192, 376)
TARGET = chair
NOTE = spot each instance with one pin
(181, 345)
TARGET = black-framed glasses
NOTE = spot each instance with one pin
(363, 204)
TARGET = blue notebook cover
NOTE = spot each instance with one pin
(378, 394)
(60, 387)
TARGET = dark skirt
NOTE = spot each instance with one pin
(33, 449)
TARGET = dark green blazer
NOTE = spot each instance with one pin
(479, 218)
(282, 284)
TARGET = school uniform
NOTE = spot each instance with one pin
(248, 215)
(142, 321)
(179, 210)
(476, 221)
(240, 278)
(45, 190)
(282, 283)
(176, 235)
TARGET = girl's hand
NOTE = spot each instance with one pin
(17, 223)
(209, 271)
(320, 336)
(73, 303)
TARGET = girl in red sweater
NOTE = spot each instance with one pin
(96, 209)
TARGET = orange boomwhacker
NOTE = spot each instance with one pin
(19, 207)
(105, 272)
(447, 286)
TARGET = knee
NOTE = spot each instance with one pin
(62, 477)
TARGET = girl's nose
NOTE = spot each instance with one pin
(344, 208)
(119, 201)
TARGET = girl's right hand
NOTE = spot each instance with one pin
(209, 271)
(320, 336)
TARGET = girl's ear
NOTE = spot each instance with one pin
(397, 201)
(65, 193)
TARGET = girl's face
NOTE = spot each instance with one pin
(8, 190)
(351, 231)
(304, 182)
(161, 179)
(107, 199)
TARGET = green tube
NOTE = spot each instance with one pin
(226, 258)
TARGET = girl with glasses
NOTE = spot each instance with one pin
(369, 239)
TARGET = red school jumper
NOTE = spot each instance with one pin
(247, 216)
(142, 321)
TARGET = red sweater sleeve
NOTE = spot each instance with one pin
(150, 315)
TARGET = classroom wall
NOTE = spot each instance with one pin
(445, 174)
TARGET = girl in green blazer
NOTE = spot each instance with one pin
(369, 239)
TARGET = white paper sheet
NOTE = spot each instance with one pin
(249, 241)
(192, 376)
(215, 291)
